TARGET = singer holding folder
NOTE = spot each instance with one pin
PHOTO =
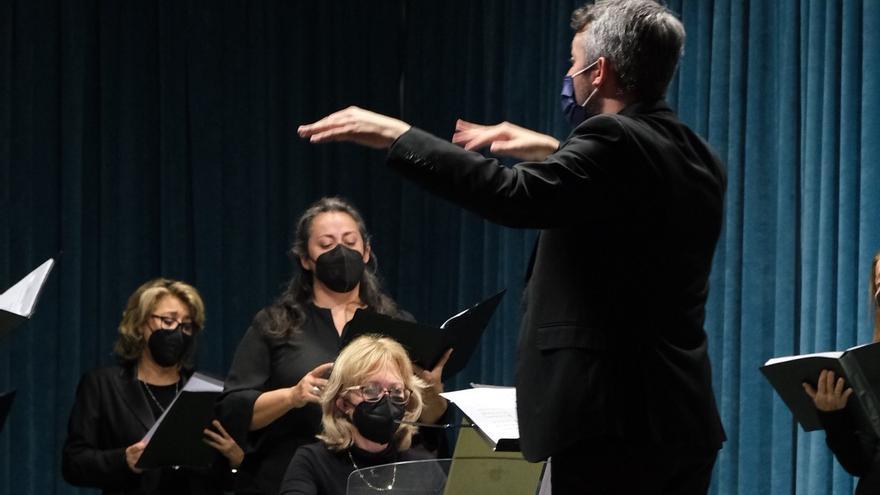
(857, 451)
(271, 394)
(116, 405)
(613, 377)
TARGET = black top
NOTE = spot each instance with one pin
(111, 412)
(857, 451)
(612, 341)
(315, 470)
(159, 397)
(263, 363)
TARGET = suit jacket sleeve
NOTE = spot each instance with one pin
(853, 449)
(250, 370)
(83, 462)
(583, 179)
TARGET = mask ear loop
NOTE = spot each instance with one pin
(593, 93)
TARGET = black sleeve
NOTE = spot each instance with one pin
(853, 449)
(301, 477)
(583, 179)
(250, 370)
(83, 462)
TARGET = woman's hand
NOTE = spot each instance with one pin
(310, 387)
(828, 396)
(133, 454)
(435, 405)
(505, 139)
(224, 443)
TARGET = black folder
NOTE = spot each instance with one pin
(18, 303)
(6, 399)
(426, 344)
(859, 366)
(177, 439)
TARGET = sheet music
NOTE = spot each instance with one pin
(492, 410)
(196, 383)
(21, 298)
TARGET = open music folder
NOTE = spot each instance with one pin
(492, 410)
(17, 303)
(859, 366)
(176, 437)
(426, 344)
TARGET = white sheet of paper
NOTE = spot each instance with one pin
(21, 297)
(833, 355)
(196, 383)
(492, 410)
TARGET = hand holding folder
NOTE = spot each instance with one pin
(426, 344)
(177, 437)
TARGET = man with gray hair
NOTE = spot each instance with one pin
(613, 375)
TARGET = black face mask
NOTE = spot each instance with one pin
(168, 346)
(375, 420)
(340, 269)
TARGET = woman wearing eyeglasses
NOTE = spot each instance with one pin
(857, 451)
(372, 387)
(115, 406)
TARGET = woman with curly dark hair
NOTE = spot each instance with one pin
(281, 364)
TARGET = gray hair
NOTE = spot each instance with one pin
(642, 40)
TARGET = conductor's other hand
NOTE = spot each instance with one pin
(828, 394)
(355, 125)
(133, 454)
(505, 139)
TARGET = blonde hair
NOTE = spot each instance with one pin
(872, 284)
(130, 343)
(361, 358)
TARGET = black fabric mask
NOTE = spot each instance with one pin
(340, 269)
(168, 347)
(375, 420)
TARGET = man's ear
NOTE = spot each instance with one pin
(601, 72)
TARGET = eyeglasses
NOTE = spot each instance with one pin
(173, 324)
(372, 392)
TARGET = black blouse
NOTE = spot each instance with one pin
(264, 363)
(111, 412)
(315, 470)
(857, 451)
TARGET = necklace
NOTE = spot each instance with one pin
(377, 488)
(155, 400)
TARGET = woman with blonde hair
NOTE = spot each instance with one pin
(115, 406)
(366, 404)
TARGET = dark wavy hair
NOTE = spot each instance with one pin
(287, 314)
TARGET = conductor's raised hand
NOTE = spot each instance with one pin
(504, 139)
(355, 125)
(829, 395)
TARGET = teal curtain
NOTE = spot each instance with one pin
(152, 138)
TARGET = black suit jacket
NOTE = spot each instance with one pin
(612, 342)
(110, 413)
